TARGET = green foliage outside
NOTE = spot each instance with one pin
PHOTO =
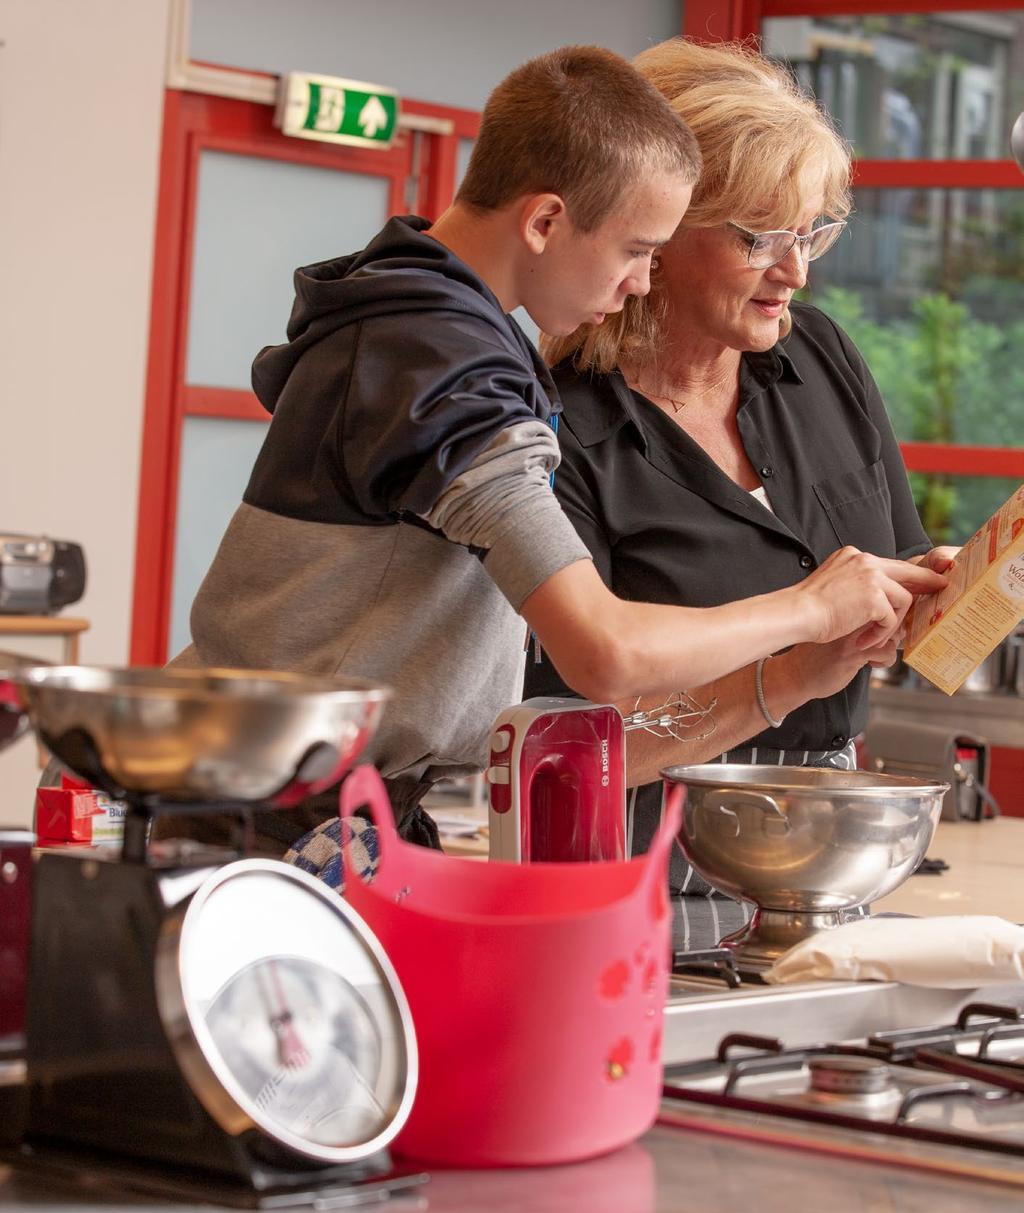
(949, 377)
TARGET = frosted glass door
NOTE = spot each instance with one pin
(257, 220)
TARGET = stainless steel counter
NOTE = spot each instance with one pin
(670, 1170)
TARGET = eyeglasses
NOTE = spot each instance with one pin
(766, 249)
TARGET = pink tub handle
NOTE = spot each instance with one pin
(364, 788)
(665, 836)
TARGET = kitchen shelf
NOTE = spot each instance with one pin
(996, 717)
(44, 628)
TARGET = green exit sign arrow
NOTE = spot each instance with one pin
(336, 111)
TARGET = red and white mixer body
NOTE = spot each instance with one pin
(557, 782)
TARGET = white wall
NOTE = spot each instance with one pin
(452, 52)
(81, 96)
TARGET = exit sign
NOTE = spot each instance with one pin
(336, 111)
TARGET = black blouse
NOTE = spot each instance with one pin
(665, 524)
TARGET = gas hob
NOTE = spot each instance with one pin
(877, 1071)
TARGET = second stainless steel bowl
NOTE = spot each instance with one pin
(802, 843)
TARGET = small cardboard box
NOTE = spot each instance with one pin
(947, 635)
(74, 813)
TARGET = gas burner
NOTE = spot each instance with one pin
(743, 1058)
(848, 1076)
(862, 1086)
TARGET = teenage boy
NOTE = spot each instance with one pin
(399, 523)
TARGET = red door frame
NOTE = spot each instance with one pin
(716, 20)
(194, 123)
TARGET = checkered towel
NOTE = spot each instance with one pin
(319, 851)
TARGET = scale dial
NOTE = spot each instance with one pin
(285, 1014)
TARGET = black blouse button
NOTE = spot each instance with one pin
(806, 562)
(838, 741)
(767, 472)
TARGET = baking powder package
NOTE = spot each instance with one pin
(76, 814)
(949, 634)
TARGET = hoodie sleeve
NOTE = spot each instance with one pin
(415, 421)
(503, 503)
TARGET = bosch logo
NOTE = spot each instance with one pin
(605, 780)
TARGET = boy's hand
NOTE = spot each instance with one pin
(855, 592)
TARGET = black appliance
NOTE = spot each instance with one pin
(39, 575)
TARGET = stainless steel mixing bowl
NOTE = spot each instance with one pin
(201, 735)
(803, 844)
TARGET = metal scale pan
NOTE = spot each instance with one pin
(229, 1019)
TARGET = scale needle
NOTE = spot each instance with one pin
(291, 1052)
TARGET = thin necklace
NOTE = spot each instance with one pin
(678, 404)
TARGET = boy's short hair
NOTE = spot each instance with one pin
(579, 122)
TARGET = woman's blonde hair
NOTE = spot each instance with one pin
(766, 148)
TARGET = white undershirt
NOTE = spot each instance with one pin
(762, 495)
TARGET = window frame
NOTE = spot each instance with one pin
(718, 20)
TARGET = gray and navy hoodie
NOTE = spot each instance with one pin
(399, 511)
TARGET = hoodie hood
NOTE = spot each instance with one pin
(402, 270)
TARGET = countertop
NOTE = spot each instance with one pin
(986, 872)
(667, 1171)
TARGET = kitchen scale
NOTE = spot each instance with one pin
(200, 1025)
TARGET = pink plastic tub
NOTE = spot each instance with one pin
(537, 993)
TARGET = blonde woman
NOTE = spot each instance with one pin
(719, 440)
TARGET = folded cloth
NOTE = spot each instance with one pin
(319, 851)
(960, 952)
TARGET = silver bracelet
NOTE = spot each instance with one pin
(759, 691)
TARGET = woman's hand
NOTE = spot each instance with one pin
(816, 671)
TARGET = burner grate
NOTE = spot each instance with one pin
(712, 963)
(890, 1085)
(979, 1022)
